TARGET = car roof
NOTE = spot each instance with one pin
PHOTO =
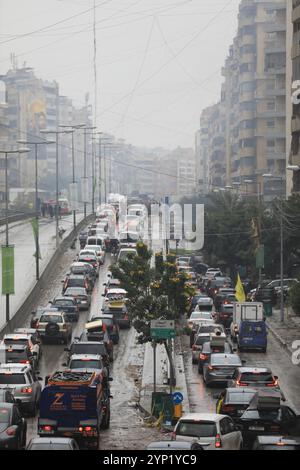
(63, 297)
(15, 367)
(94, 357)
(101, 343)
(240, 390)
(16, 336)
(25, 331)
(53, 313)
(224, 355)
(201, 417)
(51, 440)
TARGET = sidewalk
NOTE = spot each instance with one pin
(285, 333)
(162, 376)
(21, 236)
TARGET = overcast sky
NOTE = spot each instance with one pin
(158, 61)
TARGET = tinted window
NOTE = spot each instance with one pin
(201, 340)
(64, 303)
(196, 429)
(92, 364)
(44, 446)
(51, 318)
(11, 379)
(260, 377)
(239, 397)
(16, 341)
(4, 415)
(228, 360)
(88, 349)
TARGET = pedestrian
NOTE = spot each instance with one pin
(51, 211)
(43, 209)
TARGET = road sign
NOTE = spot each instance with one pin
(162, 329)
(177, 398)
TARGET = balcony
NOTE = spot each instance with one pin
(296, 14)
(246, 133)
(247, 152)
(247, 39)
(276, 155)
(295, 124)
(271, 113)
(274, 47)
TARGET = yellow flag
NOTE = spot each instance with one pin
(239, 290)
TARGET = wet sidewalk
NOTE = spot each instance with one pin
(287, 332)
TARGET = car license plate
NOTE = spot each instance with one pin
(256, 428)
(68, 434)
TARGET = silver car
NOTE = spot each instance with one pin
(23, 383)
(220, 368)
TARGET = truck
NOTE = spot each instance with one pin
(75, 404)
(245, 311)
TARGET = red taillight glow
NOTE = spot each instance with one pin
(273, 384)
(203, 357)
(26, 390)
(88, 428)
(227, 408)
(47, 428)
(218, 443)
(24, 361)
(11, 431)
(241, 384)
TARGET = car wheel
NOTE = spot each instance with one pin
(105, 424)
(264, 350)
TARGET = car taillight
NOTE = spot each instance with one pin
(11, 431)
(64, 327)
(203, 357)
(26, 390)
(218, 442)
(47, 428)
(24, 361)
(241, 384)
(227, 408)
(210, 367)
(273, 384)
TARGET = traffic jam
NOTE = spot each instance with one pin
(70, 407)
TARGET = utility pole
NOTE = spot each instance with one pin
(85, 177)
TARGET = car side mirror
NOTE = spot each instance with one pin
(244, 361)
(64, 364)
(110, 379)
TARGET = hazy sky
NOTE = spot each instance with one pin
(158, 61)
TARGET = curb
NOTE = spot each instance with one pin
(279, 339)
(24, 310)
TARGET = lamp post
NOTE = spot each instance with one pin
(270, 176)
(86, 128)
(6, 153)
(36, 144)
(56, 133)
(73, 128)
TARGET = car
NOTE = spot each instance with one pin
(176, 445)
(54, 326)
(216, 345)
(28, 337)
(218, 431)
(89, 347)
(84, 268)
(36, 315)
(207, 328)
(81, 296)
(6, 396)
(17, 354)
(96, 331)
(125, 253)
(234, 401)
(276, 443)
(120, 313)
(266, 415)
(225, 314)
(52, 443)
(112, 326)
(86, 363)
(217, 283)
(111, 283)
(69, 305)
(113, 296)
(254, 377)
(87, 256)
(76, 280)
(82, 239)
(13, 427)
(100, 252)
(24, 384)
(220, 368)
(197, 317)
(200, 340)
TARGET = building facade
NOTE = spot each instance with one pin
(295, 123)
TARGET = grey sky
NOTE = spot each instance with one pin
(159, 61)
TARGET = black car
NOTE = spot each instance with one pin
(89, 347)
(276, 443)
(13, 427)
(112, 326)
(234, 401)
(266, 416)
(69, 305)
(19, 354)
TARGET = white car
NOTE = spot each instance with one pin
(197, 317)
(113, 296)
(100, 253)
(217, 432)
(124, 252)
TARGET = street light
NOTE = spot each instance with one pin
(27, 142)
(56, 133)
(73, 128)
(6, 153)
(269, 175)
(86, 128)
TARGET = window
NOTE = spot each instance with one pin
(271, 124)
(271, 105)
(271, 143)
(196, 429)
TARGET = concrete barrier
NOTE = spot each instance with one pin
(26, 308)
(17, 218)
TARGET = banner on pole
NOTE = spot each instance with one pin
(8, 270)
(35, 229)
(260, 257)
(85, 189)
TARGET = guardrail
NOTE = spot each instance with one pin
(16, 217)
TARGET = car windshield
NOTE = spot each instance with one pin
(64, 303)
(54, 446)
(12, 341)
(265, 377)
(51, 318)
(72, 291)
(210, 328)
(196, 429)
(11, 379)
(201, 340)
(229, 360)
(4, 415)
(85, 364)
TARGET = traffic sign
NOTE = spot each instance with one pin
(162, 329)
(177, 398)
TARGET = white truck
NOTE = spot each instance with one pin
(245, 311)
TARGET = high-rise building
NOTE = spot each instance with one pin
(295, 126)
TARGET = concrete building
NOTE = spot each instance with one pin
(295, 126)
(249, 122)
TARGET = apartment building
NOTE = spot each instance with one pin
(248, 128)
(295, 123)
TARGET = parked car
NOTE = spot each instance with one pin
(220, 368)
(52, 443)
(219, 431)
(54, 326)
(23, 383)
(81, 296)
(13, 427)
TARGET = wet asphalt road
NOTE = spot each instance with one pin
(127, 430)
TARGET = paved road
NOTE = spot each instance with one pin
(21, 236)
